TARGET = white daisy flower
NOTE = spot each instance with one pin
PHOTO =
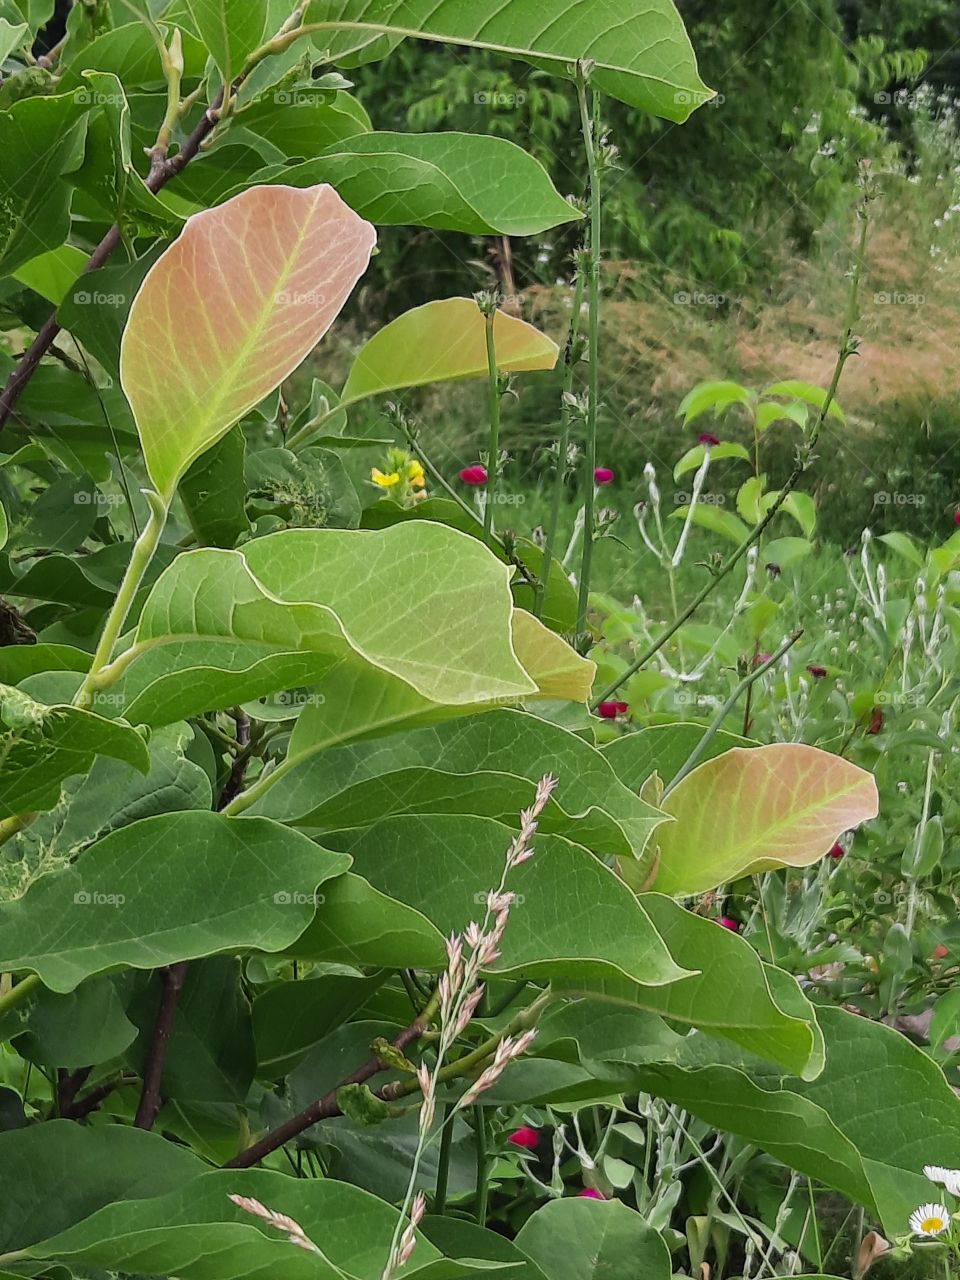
(949, 1178)
(930, 1220)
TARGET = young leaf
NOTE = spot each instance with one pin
(716, 519)
(694, 457)
(229, 310)
(439, 342)
(809, 394)
(750, 811)
(718, 396)
(230, 29)
(641, 52)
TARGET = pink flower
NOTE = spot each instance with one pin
(761, 658)
(956, 517)
(603, 475)
(525, 1137)
(709, 439)
(475, 475)
(590, 1193)
(817, 672)
(728, 922)
(837, 852)
(610, 710)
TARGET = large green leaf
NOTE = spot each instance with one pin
(41, 746)
(319, 120)
(450, 181)
(230, 29)
(355, 617)
(867, 1125)
(38, 137)
(58, 1173)
(641, 52)
(280, 263)
(289, 1017)
(752, 810)
(482, 766)
(580, 1239)
(165, 889)
(441, 341)
(198, 1233)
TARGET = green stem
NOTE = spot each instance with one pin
(563, 445)
(493, 450)
(717, 722)
(481, 1137)
(591, 140)
(24, 988)
(846, 350)
(143, 552)
(443, 1159)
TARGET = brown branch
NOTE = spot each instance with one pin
(81, 1108)
(327, 1107)
(173, 979)
(162, 170)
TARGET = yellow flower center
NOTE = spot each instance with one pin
(933, 1224)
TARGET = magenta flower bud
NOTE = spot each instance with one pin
(603, 475)
(817, 672)
(475, 475)
(709, 439)
(590, 1193)
(525, 1137)
(610, 710)
(728, 922)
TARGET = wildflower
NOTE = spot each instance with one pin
(384, 481)
(956, 517)
(590, 1193)
(940, 952)
(475, 475)
(709, 439)
(415, 475)
(610, 710)
(525, 1137)
(295, 1233)
(837, 852)
(949, 1178)
(603, 475)
(728, 922)
(930, 1220)
(817, 672)
(761, 659)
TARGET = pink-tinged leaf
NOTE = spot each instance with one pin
(229, 310)
(749, 811)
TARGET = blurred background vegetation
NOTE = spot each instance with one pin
(727, 240)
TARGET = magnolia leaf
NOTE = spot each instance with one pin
(12, 37)
(58, 1173)
(665, 749)
(319, 121)
(583, 1239)
(52, 274)
(439, 342)
(229, 310)
(41, 746)
(450, 181)
(485, 765)
(364, 668)
(749, 811)
(230, 29)
(640, 52)
(198, 1233)
(168, 888)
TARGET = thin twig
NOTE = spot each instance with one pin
(173, 979)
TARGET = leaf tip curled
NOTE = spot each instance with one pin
(229, 310)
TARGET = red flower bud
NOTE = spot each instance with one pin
(709, 439)
(603, 475)
(837, 852)
(525, 1137)
(817, 672)
(591, 1193)
(728, 922)
(956, 517)
(610, 710)
(475, 475)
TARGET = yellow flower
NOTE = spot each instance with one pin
(385, 482)
(415, 474)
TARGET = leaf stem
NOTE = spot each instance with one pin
(493, 447)
(590, 132)
(17, 994)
